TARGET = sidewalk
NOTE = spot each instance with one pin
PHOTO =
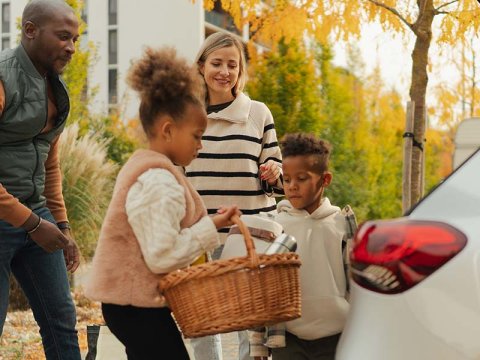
(229, 347)
(112, 349)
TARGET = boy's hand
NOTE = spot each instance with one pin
(224, 215)
(270, 172)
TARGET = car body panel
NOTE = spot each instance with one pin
(438, 318)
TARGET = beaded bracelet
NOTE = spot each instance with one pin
(36, 226)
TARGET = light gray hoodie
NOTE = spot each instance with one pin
(322, 277)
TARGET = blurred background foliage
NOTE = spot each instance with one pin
(356, 112)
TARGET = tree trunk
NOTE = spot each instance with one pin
(423, 32)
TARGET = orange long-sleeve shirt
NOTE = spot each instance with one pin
(11, 209)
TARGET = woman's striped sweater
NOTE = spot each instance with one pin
(237, 141)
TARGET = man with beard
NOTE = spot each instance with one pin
(35, 241)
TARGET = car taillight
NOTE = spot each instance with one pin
(394, 255)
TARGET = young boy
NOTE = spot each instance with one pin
(321, 231)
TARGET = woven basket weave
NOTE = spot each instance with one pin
(235, 294)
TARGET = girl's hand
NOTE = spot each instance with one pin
(270, 172)
(224, 215)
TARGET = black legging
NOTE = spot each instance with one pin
(147, 333)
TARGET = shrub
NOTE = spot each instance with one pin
(88, 178)
(122, 138)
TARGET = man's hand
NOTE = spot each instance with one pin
(71, 252)
(50, 238)
(47, 235)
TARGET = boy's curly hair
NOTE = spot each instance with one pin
(299, 144)
(166, 85)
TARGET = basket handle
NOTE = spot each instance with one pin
(251, 253)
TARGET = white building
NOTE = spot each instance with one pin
(121, 29)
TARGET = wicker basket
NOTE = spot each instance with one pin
(235, 294)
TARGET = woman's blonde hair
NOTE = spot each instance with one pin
(221, 40)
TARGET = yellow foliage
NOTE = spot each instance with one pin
(272, 20)
(439, 148)
(207, 4)
(324, 20)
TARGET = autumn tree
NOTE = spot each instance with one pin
(76, 74)
(386, 114)
(344, 126)
(271, 20)
(458, 99)
(353, 111)
(468, 69)
(455, 18)
(287, 82)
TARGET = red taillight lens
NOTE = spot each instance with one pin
(392, 256)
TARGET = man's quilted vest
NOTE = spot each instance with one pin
(23, 150)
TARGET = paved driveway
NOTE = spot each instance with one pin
(229, 347)
(109, 348)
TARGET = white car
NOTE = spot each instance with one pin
(416, 280)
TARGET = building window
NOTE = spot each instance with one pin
(220, 18)
(112, 12)
(112, 86)
(112, 53)
(5, 43)
(112, 47)
(84, 16)
(84, 35)
(84, 45)
(6, 18)
(84, 13)
(5, 36)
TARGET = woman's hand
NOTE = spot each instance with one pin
(270, 172)
(224, 215)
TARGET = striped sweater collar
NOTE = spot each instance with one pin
(237, 112)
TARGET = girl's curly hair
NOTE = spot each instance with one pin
(166, 85)
(299, 144)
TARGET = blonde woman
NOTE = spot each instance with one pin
(240, 162)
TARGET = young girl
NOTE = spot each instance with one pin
(240, 162)
(156, 221)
